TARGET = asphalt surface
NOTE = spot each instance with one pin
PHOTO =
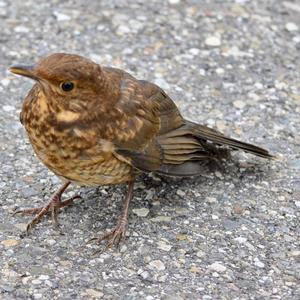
(232, 233)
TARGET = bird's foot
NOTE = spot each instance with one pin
(112, 237)
(115, 236)
(52, 207)
(37, 210)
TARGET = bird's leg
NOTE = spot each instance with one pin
(52, 207)
(115, 235)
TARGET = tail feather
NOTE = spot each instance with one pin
(218, 138)
(188, 149)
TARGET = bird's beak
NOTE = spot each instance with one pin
(24, 70)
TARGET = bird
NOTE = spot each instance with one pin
(93, 125)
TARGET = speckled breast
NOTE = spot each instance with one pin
(78, 155)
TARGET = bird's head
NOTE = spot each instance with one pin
(70, 81)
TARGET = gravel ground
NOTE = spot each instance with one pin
(232, 233)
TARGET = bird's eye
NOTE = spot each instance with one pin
(67, 86)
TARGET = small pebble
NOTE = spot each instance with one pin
(161, 219)
(211, 199)
(291, 26)
(194, 51)
(61, 17)
(10, 243)
(162, 245)
(240, 240)
(213, 41)
(141, 212)
(217, 267)
(194, 269)
(180, 193)
(214, 217)
(258, 263)
(172, 297)
(280, 85)
(157, 264)
(36, 281)
(51, 242)
(293, 6)
(8, 108)
(5, 82)
(44, 277)
(181, 211)
(220, 71)
(294, 253)
(123, 29)
(182, 237)
(94, 293)
(21, 29)
(143, 274)
(239, 104)
(200, 254)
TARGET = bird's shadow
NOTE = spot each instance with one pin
(164, 188)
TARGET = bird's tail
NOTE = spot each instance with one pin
(186, 150)
(218, 138)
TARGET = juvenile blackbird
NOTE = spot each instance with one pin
(94, 125)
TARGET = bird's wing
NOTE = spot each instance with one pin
(151, 113)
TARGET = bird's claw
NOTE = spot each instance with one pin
(113, 237)
(51, 208)
(27, 211)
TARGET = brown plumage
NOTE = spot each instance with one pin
(95, 125)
